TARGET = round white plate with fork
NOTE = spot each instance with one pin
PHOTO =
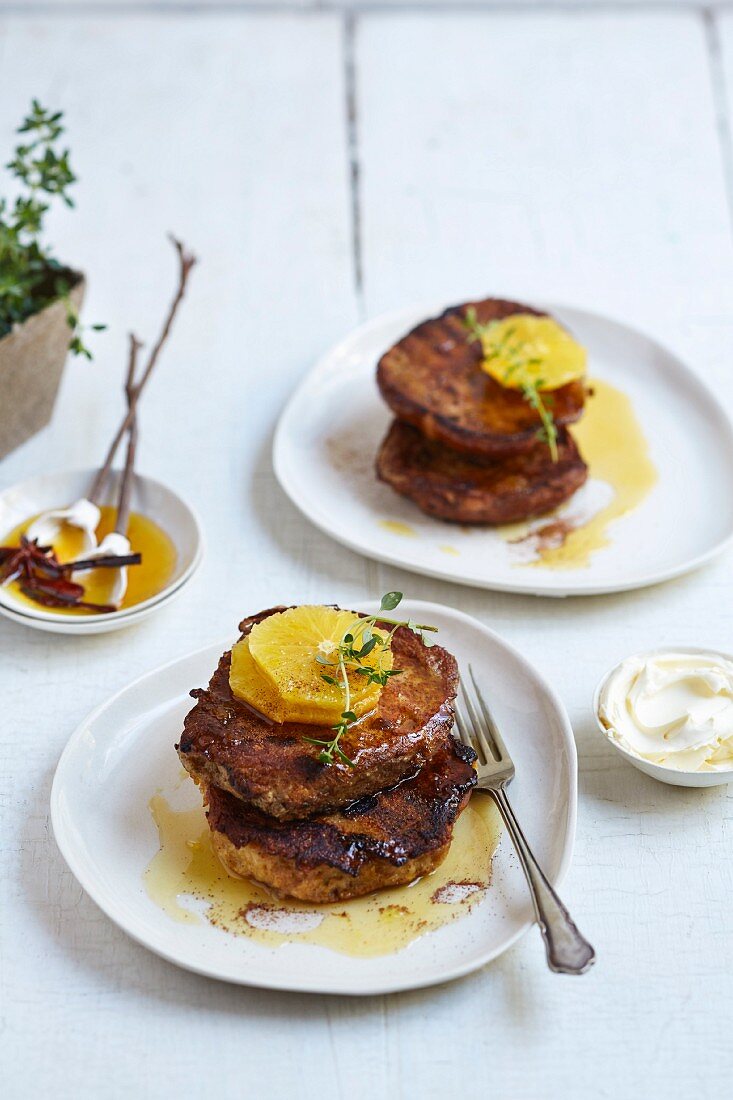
(123, 754)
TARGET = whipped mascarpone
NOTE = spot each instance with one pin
(673, 709)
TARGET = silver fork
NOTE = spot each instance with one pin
(568, 952)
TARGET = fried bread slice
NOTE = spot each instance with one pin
(227, 744)
(461, 489)
(385, 839)
(432, 379)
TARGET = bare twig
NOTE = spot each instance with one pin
(123, 503)
(135, 346)
(186, 261)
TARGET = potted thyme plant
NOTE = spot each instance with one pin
(40, 297)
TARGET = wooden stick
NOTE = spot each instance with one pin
(123, 502)
(186, 261)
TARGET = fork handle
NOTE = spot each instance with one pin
(568, 952)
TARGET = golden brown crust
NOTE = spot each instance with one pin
(228, 745)
(383, 840)
(461, 489)
(432, 379)
(326, 884)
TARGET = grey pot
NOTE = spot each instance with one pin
(32, 359)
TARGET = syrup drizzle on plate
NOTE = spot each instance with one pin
(613, 445)
(186, 880)
(621, 475)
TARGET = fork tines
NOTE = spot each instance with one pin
(475, 724)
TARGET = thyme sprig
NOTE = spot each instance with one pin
(357, 643)
(30, 276)
(517, 361)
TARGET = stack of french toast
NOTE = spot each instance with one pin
(482, 396)
(318, 797)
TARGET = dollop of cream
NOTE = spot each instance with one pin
(673, 709)
(84, 515)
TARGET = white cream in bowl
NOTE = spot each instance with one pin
(672, 710)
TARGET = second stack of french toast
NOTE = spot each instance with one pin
(482, 396)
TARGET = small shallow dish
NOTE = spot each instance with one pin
(123, 753)
(672, 776)
(149, 497)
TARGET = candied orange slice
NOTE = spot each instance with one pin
(525, 350)
(275, 668)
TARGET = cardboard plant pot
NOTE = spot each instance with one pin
(32, 359)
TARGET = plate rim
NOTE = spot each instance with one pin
(86, 880)
(411, 315)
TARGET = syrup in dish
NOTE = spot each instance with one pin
(143, 581)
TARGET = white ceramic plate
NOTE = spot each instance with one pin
(149, 497)
(329, 432)
(123, 753)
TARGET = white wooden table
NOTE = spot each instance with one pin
(327, 165)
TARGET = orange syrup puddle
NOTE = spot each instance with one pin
(396, 527)
(611, 441)
(186, 866)
(147, 579)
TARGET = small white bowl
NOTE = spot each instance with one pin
(149, 497)
(664, 774)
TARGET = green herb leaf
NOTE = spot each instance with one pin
(390, 600)
(30, 277)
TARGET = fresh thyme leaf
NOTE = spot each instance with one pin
(471, 323)
(390, 600)
(548, 432)
(367, 649)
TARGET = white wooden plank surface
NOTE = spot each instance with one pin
(562, 154)
(576, 158)
(552, 155)
(722, 41)
(231, 132)
(280, 6)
